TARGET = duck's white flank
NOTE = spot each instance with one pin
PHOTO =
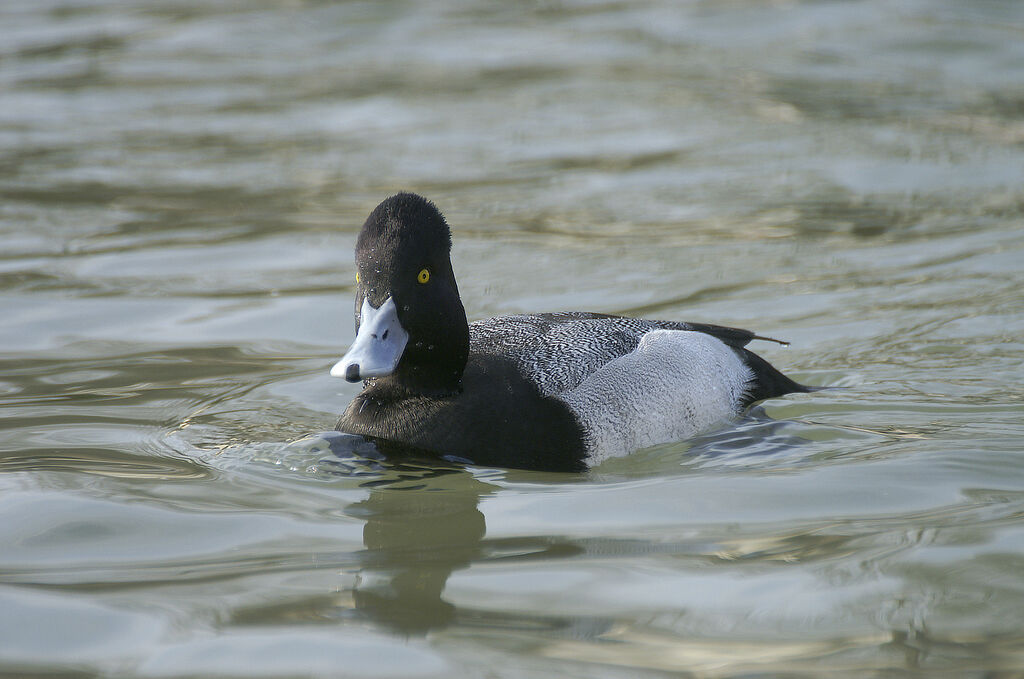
(675, 384)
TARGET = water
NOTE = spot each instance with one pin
(180, 188)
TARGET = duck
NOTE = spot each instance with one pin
(559, 392)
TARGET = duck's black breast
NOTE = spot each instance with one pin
(499, 418)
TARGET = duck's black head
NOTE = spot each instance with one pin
(410, 323)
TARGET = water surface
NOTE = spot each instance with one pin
(181, 184)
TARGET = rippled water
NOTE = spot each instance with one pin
(180, 188)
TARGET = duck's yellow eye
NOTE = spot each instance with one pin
(357, 276)
(424, 276)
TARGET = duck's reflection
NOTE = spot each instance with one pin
(422, 523)
(415, 538)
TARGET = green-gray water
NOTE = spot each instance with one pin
(180, 187)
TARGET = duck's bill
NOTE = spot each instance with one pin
(378, 346)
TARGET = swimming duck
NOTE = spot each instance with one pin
(549, 391)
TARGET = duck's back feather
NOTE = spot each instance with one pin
(558, 351)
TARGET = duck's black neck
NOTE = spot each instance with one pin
(420, 381)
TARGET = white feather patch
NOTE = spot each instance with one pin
(675, 384)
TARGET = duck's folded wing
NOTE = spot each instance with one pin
(557, 351)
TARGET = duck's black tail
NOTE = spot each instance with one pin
(768, 381)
